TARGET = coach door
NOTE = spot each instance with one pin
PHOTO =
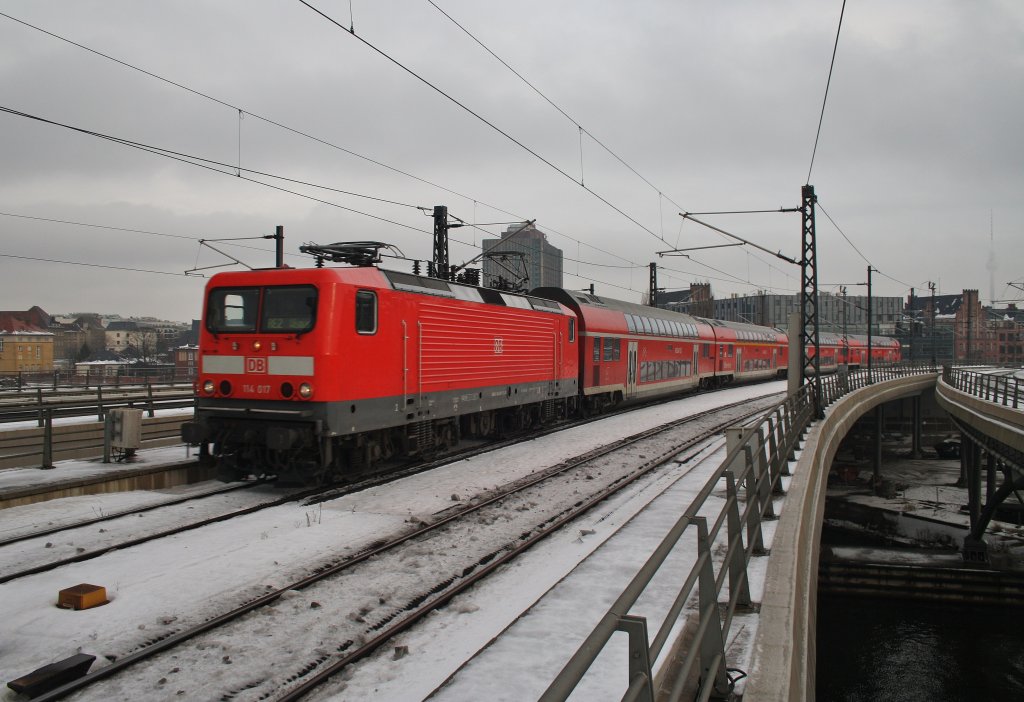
(631, 370)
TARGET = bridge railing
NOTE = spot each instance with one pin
(1002, 389)
(757, 458)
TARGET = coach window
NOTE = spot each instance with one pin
(609, 348)
(597, 349)
(366, 312)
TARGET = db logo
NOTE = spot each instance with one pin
(499, 345)
(255, 365)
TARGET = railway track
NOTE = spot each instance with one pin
(34, 532)
(32, 561)
(469, 540)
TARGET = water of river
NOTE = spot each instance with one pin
(871, 650)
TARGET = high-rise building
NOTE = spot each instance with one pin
(521, 251)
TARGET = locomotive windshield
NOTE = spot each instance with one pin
(278, 309)
(289, 309)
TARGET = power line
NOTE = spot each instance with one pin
(98, 265)
(299, 132)
(206, 163)
(101, 226)
(580, 127)
(487, 122)
(133, 231)
(235, 170)
(217, 167)
(854, 246)
(821, 118)
(236, 108)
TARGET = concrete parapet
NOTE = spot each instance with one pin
(784, 648)
(1004, 424)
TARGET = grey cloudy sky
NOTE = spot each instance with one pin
(714, 104)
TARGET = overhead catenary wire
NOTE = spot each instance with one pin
(582, 130)
(227, 169)
(223, 168)
(236, 108)
(130, 230)
(859, 253)
(234, 169)
(828, 83)
(481, 118)
(96, 265)
(299, 132)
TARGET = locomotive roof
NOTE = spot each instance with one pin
(410, 282)
(371, 276)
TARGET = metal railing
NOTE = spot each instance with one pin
(757, 458)
(41, 447)
(40, 403)
(69, 378)
(1002, 389)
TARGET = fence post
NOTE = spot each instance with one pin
(108, 436)
(149, 393)
(738, 581)
(48, 441)
(39, 399)
(712, 643)
(99, 402)
(641, 678)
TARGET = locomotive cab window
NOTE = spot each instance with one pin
(366, 312)
(289, 309)
(572, 330)
(232, 310)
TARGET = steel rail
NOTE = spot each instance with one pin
(324, 572)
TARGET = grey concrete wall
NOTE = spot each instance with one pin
(784, 648)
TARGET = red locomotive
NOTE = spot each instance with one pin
(306, 373)
(309, 373)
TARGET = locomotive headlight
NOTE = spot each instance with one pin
(305, 391)
(256, 346)
(208, 387)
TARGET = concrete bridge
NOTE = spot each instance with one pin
(988, 409)
(776, 471)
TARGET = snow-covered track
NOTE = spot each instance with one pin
(35, 533)
(355, 627)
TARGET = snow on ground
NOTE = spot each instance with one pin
(565, 585)
(13, 478)
(167, 584)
